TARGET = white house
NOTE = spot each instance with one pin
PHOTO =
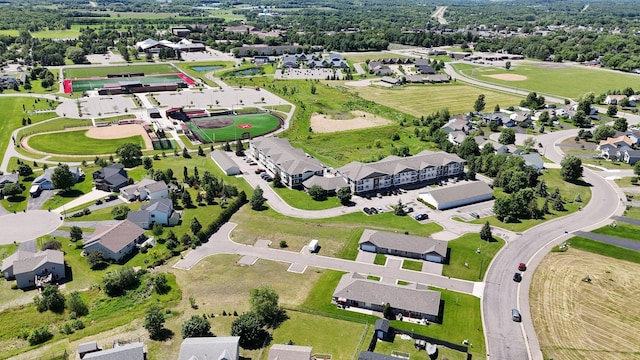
(458, 195)
(146, 189)
(34, 269)
(131, 351)
(278, 155)
(117, 241)
(226, 164)
(614, 99)
(156, 211)
(212, 348)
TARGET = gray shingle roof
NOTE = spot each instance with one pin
(10, 178)
(133, 351)
(412, 298)
(88, 346)
(328, 183)
(162, 205)
(459, 192)
(368, 355)
(223, 160)
(402, 242)
(289, 352)
(209, 348)
(288, 158)
(30, 263)
(116, 237)
(17, 255)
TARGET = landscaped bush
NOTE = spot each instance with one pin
(39, 335)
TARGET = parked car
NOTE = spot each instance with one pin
(253, 163)
(373, 211)
(110, 197)
(367, 211)
(475, 215)
(409, 210)
(522, 267)
(98, 201)
(517, 277)
(421, 217)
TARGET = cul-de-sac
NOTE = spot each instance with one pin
(319, 180)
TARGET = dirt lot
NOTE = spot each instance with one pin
(575, 319)
(120, 131)
(361, 120)
(508, 77)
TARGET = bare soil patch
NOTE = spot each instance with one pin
(575, 319)
(120, 131)
(212, 123)
(361, 120)
(508, 77)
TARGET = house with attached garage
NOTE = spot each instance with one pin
(409, 246)
(130, 351)
(278, 156)
(415, 300)
(210, 348)
(614, 99)
(146, 189)
(43, 182)
(11, 178)
(393, 171)
(111, 178)
(628, 155)
(156, 211)
(457, 195)
(116, 242)
(31, 269)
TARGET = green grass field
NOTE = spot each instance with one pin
(419, 100)
(103, 71)
(412, 265)
(260, 124)
(77, 143)
(301, 200)
(556, 79)
(373, 55)
(463, 250)
(84, 85)
(605, 249)
(621, 230)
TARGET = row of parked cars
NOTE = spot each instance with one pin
(372, 210)
(109, 197)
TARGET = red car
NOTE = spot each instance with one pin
(522, 267)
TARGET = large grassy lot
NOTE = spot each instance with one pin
(575, 319)
(557, 79)
(103, 71)
(418, 100)
(463, 251)
(621, 230)
(77, 143)
(301, 200)
(14, 110)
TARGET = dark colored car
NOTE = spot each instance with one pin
(517, 277)
(522, 267)
(110, 197)
(98, 201)
(421, 217)
(367, 211)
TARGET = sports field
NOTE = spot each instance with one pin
(103, 71)
(231, 127)
(84, 85)
(422, 100)
(555, 79)
(78, 143)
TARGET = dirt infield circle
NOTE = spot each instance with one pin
(212, 123)
(120, 131)
(508, 77)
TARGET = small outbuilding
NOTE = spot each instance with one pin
(382, 330)
(225, 163)
(458, 195)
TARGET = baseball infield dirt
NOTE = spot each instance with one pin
(361, 120)
(508, 77)
(120, 131)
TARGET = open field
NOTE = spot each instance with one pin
(103, 71)
(359, 120)
(226, 14)
(419, 100)
(561, 80)
(463, 251)
(579, 320)
(605, 249)
(621, 230)
(78, 143)
(301, 200)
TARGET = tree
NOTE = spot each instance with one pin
(636, 168)
(196, 326)
(157, 229)
(187, 202)
(76, 305)
(257, 200)
(317, 193)
(612, 110)
(544, 118)
(120, 212)
(264, 303)
(399, 209)
(469, 147)
(571, 168)
(147, 162)
(11, 190)
(277, 180)
(387, 312)
(602, 132)
(479, 104)
(62, 178)
(496, 108)
(200, 151)
(529, 143)
(344, 195)
(161, 284)
(195, 225)
(507, 65)
(130, 154)
(185, 153)
(154, 322)
(239, 148)
(580, 119)
(76, 55)
(313, 88)
(249, 328)
(75, 233)
(39, 335)
(96, 259)
(620, 124)
(558, 205)
(24, 170)
(50, 298)
(507, 136)
(485, 233)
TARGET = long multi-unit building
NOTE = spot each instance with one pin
(426, 166)
(279, 156)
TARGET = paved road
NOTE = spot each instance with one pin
(220, 243)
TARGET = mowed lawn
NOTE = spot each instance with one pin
(621, 230)
(562, 80)
(77, 143)
(419, 100)
(103, 71)
(257, 124)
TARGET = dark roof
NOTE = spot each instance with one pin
(368, 355)
(133, 351)
(382, 324)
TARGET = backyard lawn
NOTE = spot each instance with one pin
(463, 251)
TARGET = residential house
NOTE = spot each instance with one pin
(278, 156)
(521, 118)
(117, 241)
(289, 352)
(414, 79)
(614, 99)
(87, 348)
(615, 143)
(111, 178)
(337, 61)
(369, 355)
(458, 123)
(634, 99)
(498, 117)
(319, 64)
(210, 348)
(414, 300)
(534, 160)
(156, 211)
(393, 171)
(391, 81)
(409, 246)
(456, 137)
(628, 155)
(457, 195)
(225, 163)
(10, 178)
(43, 182)
(437, 78)
(425, 69)
(146, 189)
(34, 269)
(379, 69)
(131, 351)
(421, 62)
(633, 134)
(8, 82)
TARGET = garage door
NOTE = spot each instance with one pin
(434, 258)
(369, 248)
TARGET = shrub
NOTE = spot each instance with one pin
(39, 335)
